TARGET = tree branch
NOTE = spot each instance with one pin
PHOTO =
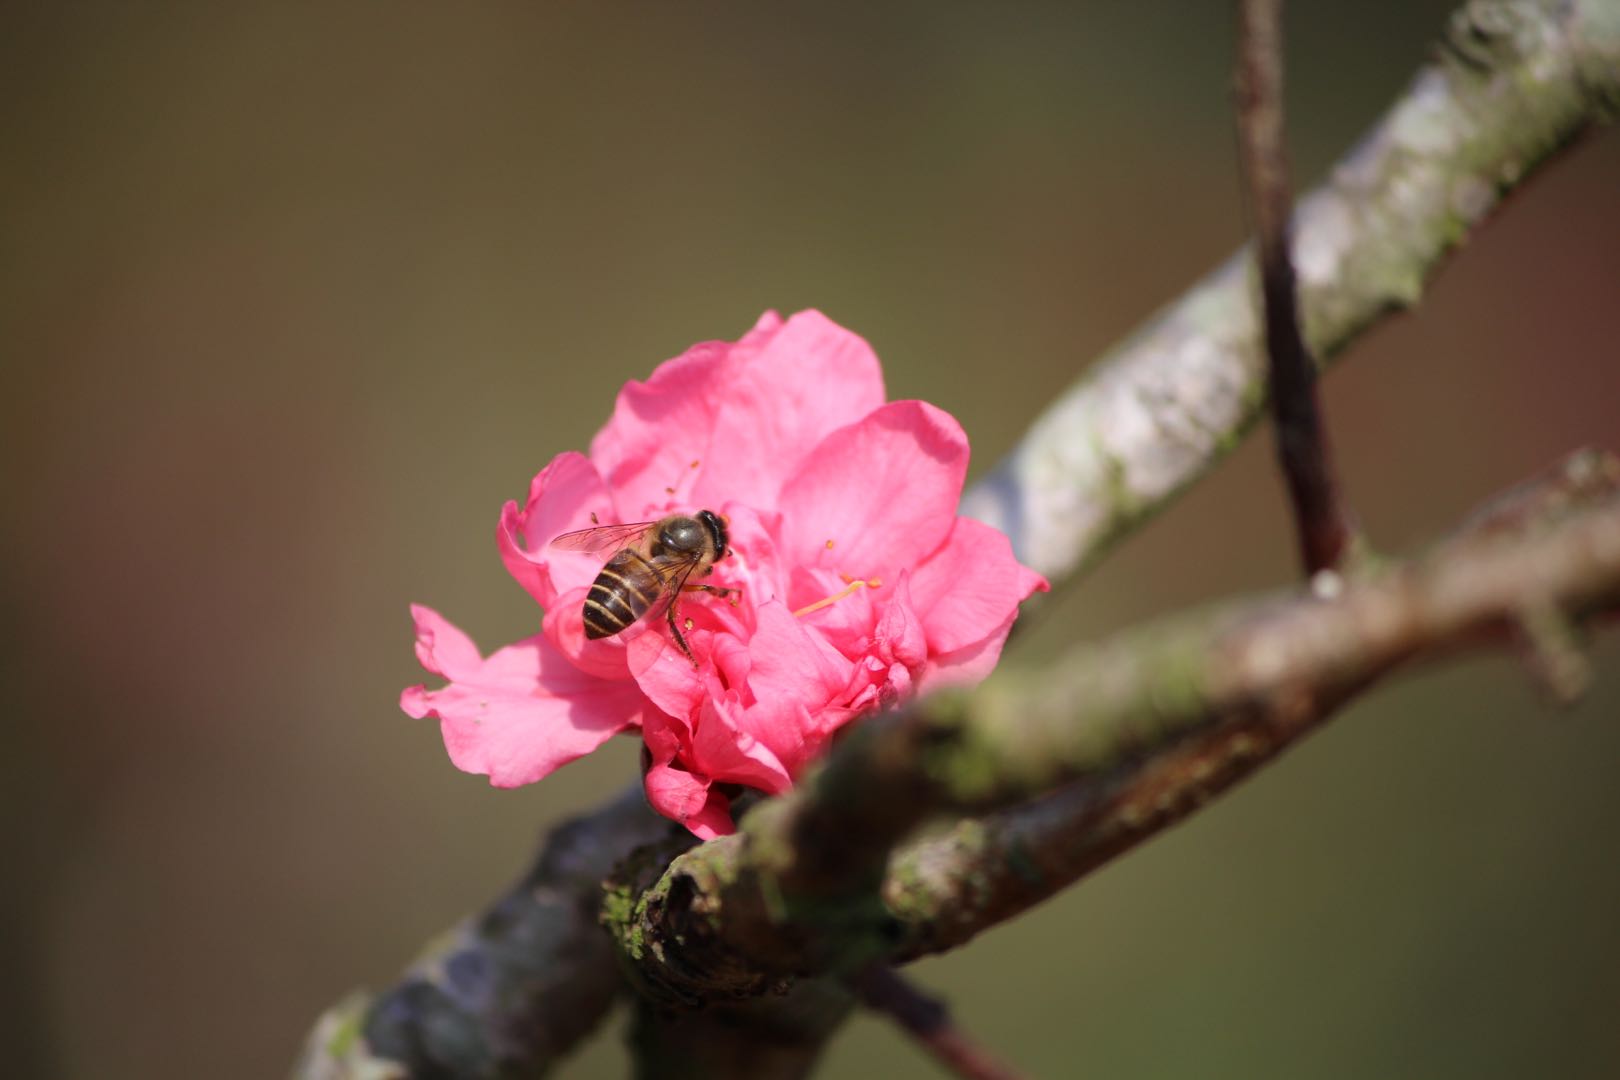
(507, 992)
(927, 1020)
(1150, 724)
(1514, 81)
(1321, 517)
(779, 1037)
(986, 870)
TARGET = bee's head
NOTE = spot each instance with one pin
(716, 524)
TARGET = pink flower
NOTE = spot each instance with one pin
(859, 584)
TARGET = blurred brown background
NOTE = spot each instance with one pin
(293, 297)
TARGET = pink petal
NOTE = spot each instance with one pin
(666, 737)
(768, 323)
(970, 586)
(442, 648)
(883, 676)
(520, 714)
(665, 675)
(689, 800)
(565, 496)
(723, 750)
(879, 495)
(756, 564)
(659, 428)
(564, 624)
(968, 665)
(794, 668)
(732, 662)
(783, 393)
(791, 659)
(846, 622)
(899, 637)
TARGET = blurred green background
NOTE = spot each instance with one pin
(293, 297)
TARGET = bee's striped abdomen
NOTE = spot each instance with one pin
(621, 594)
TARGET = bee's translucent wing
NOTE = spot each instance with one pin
(649, 641)
(602, 537)
(674, 574)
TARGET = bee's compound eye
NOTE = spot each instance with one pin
(718, 532)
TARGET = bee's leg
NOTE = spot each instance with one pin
(714, 590)
(675, 628)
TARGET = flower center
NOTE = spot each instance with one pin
(852, 586)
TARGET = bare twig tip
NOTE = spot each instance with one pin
(1556, 656)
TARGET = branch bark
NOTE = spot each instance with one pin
(1515, 80)
(986, 870)
(775, 1038)
(1150, 724)
(505, 993)
(927, 1020)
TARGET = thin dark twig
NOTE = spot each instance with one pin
(928, 1021)
(1324, 523)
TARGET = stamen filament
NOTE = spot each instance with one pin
(855, 585)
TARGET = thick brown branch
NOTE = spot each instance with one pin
(506, 992)
(1152, 722)
(772, 1038)
(1519, 79)
(1320, 516)
(989, 869)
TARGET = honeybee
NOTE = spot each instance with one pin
(650, 570)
